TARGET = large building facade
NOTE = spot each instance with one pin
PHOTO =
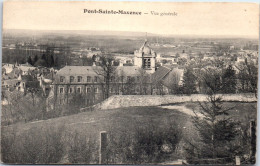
(89, 84)
(86, 82)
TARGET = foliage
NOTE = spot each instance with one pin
(189, 82)
(147, 144)
(33, 146)
(217, 134)
(107, 72)
(229, 80)
(82, 149)
(129, 87)
(248, 76)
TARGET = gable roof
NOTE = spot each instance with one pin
(93, 70)
(160, 73)
(78, 70)
(128, 70)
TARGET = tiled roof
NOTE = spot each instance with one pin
(173, 77)
(128, 70)
(93, 70)
(79, 70)
(160, 73)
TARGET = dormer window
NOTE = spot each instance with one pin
(88, 79)
(71, 79)
(62, 79)
(79, 79)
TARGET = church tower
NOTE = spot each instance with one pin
(145, 58)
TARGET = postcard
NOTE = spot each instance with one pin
(167, 83)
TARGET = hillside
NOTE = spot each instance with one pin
(68, 135)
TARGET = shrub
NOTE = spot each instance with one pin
(144, 144)
(82, 149)
(35, 146)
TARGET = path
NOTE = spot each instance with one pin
(181, 108)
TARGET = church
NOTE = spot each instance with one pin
(145, 58)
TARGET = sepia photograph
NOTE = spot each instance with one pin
(161, 83)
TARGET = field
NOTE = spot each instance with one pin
(129, 129)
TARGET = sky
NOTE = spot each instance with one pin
(231, 19)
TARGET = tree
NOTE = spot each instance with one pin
(216, 129)
(229, 80)
(129, 86)
(143, 82)
(30, 60)
(221, 49)
(35, 59)
(189, 82)
(217, 134)
(41, 62)
(211, 80)
(248, 76)
(106, 71)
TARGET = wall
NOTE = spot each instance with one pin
(120, 101)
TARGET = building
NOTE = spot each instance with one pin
(90, 84)
(145, 58)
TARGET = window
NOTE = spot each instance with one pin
(71, 90)
(88, 90)
(88, 79)
(147, 63)
(96, 79)
(61, 90)
(71, 79)
(78, 90)
(96, 90)
(79, 78)
(62, 79)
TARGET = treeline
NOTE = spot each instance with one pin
(44, 58)
(243, 79)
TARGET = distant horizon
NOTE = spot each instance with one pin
(137, 33)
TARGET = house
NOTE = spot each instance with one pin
(167, 77)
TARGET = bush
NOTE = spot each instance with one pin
(34, 146)
(145, 144)
(82, 149)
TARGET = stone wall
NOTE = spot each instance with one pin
(120, 101)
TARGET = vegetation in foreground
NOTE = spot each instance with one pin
(136, 135)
